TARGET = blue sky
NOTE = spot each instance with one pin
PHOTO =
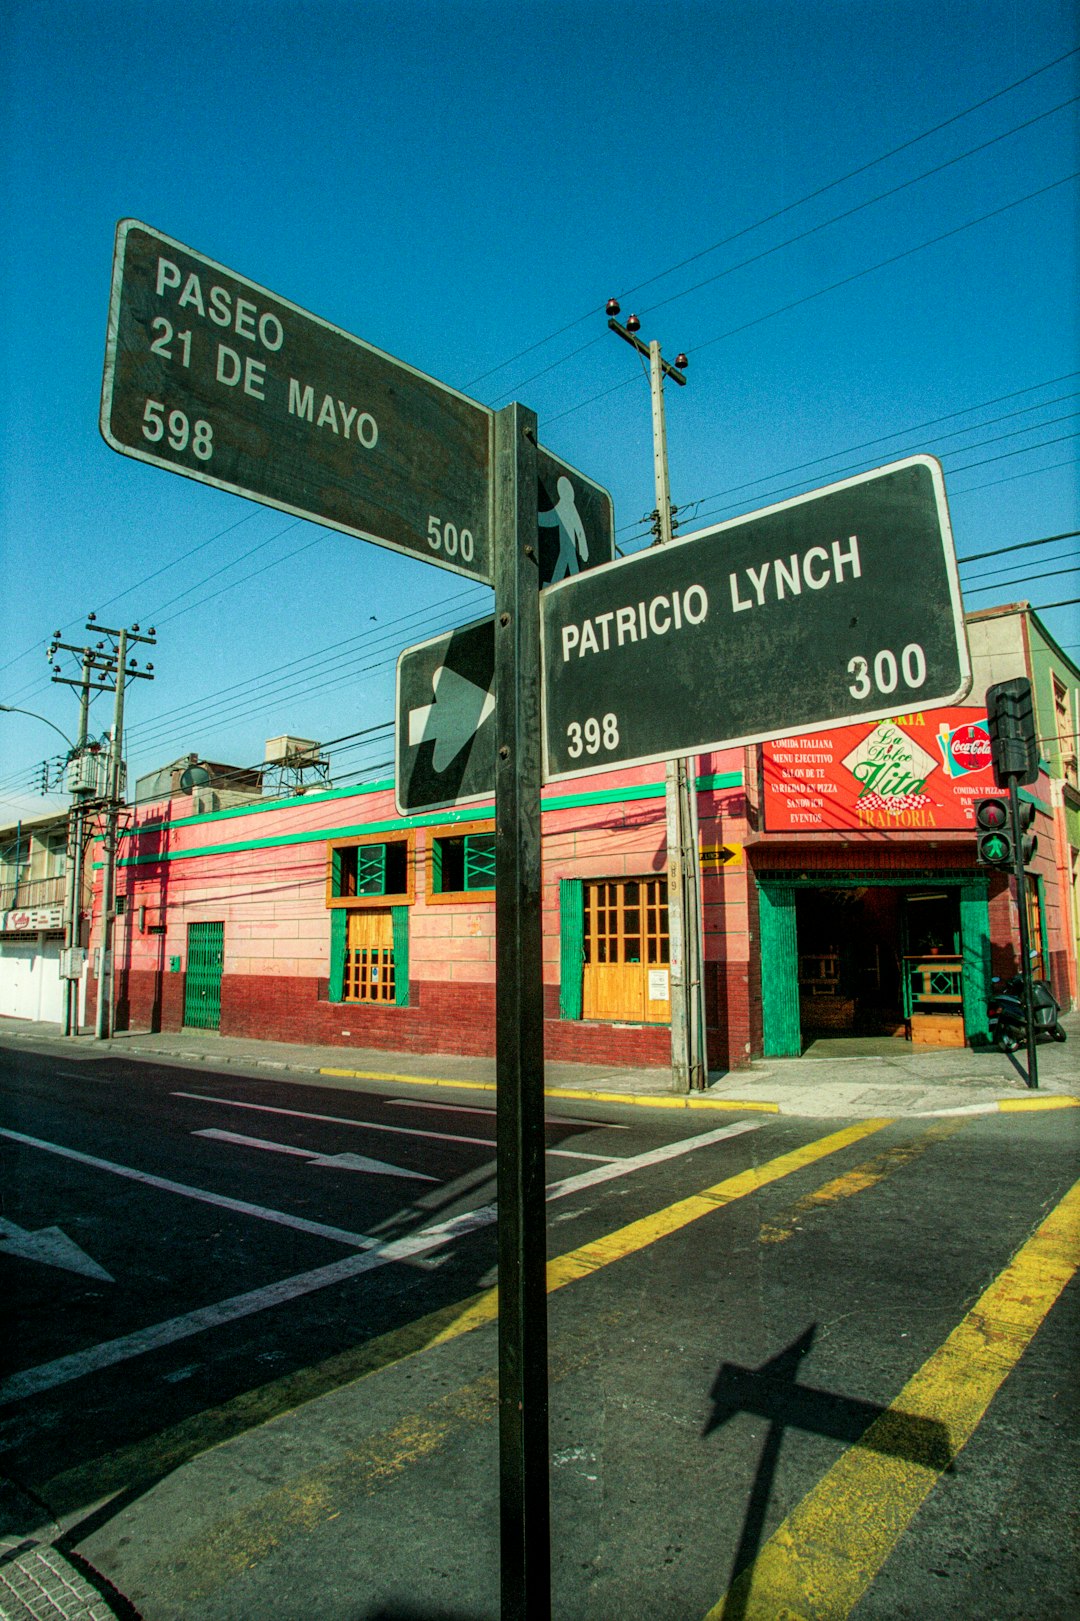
(458, 182)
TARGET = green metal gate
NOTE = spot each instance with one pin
(202, 985)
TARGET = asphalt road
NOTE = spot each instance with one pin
(254, 1366)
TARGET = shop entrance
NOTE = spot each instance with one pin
(869, 955)
(855, 948)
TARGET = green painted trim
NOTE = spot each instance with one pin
(832, 879)
(1040, 804)
(601, 796)
(443, 818)
(257, 807)
(723, 779)
(975, 945)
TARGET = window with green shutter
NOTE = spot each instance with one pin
(462, 863)
(369, 870)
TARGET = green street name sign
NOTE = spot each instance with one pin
(839, 606)
(212, 376)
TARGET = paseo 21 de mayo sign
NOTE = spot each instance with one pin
(210, 375)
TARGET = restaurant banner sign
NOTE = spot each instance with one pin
(32, 919)
(914, 773)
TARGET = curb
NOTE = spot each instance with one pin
(580, 1094)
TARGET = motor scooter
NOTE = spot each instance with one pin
(1008, 1015)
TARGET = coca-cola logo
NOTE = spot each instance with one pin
(970, 747)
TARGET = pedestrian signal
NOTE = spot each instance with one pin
(993, 837)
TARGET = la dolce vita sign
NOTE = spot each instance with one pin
(910, 773)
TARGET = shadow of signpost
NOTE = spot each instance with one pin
(773, 1392)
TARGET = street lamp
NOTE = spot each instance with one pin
(12, 709)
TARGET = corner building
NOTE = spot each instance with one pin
(330, 918)
(840, 896)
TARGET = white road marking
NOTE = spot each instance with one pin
(340, 1120)
(317, 1228)
(48, 1375)
(343, 1162)
(49, 1246)
(652, 1156)
(472, 1108)
(372, 1125)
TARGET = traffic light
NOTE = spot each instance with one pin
(993, 833)
(1010, 720)
(1029, 842)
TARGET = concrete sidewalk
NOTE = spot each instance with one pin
(851, 1076)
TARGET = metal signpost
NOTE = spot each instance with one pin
(210, 376)
(840, 606)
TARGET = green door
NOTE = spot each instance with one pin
(202, 986)
(782, 1026)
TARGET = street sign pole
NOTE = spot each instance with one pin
(519, 1030)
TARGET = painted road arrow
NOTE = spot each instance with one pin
(453, 720)
(341, 1162)
(49, 1247)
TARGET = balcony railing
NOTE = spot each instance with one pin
(31, 892)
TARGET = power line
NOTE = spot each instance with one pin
(896, 258)
(390, 631)
(1025, 579)
(1059, 557)
(897, 433)
(129, 589)
(1032, 472)
(1019, 546)
(784, 309)
(857, 208)
(769, 219)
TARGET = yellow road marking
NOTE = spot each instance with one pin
(823, 1557)
(638, 1235)
(97, 1479)
(580, 1094)
(857, 1180)
(1016, 1105)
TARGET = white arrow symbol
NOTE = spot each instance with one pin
(343, 1162)
(50, 1247)
(459, 711)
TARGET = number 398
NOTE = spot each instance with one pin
(592, 735)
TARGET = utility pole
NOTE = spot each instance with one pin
(688, 1063)
(110, 664)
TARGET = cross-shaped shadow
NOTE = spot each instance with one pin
(773, 1392)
